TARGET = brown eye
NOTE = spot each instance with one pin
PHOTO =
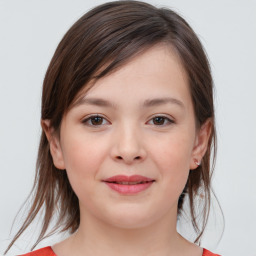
(161, 121)
(95, 121)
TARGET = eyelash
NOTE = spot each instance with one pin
(90, 118)
(166, 119)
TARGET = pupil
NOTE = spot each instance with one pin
(96, 120)
(158, 120)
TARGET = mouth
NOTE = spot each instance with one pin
(129, 184)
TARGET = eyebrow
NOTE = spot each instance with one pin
(162, 101)
(147, 103)
(96, 102)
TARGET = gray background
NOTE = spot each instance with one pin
(29, 34)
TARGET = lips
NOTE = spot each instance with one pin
(129, 184)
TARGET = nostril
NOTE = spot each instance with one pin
(135, 158)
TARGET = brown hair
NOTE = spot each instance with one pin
(101, 41)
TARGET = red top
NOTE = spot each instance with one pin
(47, 251)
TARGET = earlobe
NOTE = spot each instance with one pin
(54, 144)
(201, 144)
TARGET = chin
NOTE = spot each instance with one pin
(134, 218)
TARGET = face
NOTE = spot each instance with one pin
(130, 141)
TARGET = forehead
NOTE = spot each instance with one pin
(155, 72)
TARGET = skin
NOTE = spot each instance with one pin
(129, 139)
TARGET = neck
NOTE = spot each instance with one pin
(95, 236)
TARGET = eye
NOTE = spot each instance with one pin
(161, 121)
(95, 120)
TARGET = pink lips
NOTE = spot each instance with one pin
(129, 184)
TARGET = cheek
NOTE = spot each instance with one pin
(82, 157)
(172, 158)
(80, 152)
(173, 152)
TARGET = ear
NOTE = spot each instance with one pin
(54, 143)
(201, 144)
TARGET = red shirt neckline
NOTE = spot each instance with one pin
(49, 251)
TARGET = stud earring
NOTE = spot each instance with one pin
(197, 162)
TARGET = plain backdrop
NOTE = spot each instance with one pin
(29, 33)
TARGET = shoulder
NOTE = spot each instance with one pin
(208, 253)
(46, 251)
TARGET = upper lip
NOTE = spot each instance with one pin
(124, 178)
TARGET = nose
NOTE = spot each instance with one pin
(128, 146)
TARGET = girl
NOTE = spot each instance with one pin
(128, 128)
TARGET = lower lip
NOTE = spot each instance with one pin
(129, 189)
